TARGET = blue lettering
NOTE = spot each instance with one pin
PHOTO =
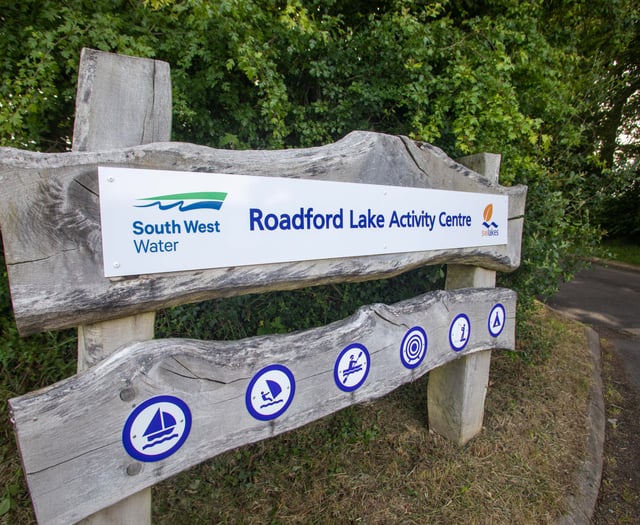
(271, 221)
(141, 246)
(370, 220)
(454, 221)
(138, 228)
(255, 219)
(305, 219)
(147, 246)
(412, 220)
(202, 227)
(166, 228)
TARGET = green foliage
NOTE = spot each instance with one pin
(622, 250)
(39, 54)
(281, 312)
(549, 85)
(619, 213)
(26, 364)
(535, 81)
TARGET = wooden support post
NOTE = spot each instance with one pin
(457, 390)
(121, 101)
(99, 340)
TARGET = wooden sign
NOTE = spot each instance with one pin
(92, 445)
(50, 219)
(158, 407)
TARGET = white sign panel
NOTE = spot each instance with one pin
(163, 221)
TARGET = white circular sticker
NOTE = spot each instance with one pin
(413, 348)
(270, 392)
(352, 367)
(496, 321)
(459, 332)
(156, 428)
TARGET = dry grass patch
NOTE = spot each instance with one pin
(378, 463)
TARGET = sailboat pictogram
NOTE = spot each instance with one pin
(162, 424)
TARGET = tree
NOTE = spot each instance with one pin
(605, 38)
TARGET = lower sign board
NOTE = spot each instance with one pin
(156, 221)
(155, 408)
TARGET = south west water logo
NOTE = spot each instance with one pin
(199, 200)
(172, 229)
(491, 228)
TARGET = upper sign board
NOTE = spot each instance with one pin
(156, 221)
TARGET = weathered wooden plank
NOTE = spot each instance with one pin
(49, 214)
(77, 425)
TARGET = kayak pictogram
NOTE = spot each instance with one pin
(352, 367)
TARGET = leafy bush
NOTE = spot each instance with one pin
(281, 312)
(620, 211)
(528, 80)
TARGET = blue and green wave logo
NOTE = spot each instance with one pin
(198, 200)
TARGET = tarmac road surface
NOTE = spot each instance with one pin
(608, 299)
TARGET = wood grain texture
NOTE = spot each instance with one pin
(76, 426)
(121, 101)
(456, 391)
(49, 215)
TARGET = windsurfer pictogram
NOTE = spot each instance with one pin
(271, 395)
(270, 392)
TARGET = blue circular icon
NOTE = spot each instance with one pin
(352, 367)
(459, 332)
(413, 348)
(156, 428)
(270, 392)
(496, 321)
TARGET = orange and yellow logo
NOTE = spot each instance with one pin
(491, 227)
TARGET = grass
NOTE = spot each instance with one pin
(378, 463)
(619, 498)
(622, 250)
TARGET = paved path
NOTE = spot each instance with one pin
(608, 299)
